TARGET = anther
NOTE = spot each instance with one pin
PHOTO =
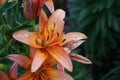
(63, 40)
(47, 38)
(54, 25)
(57, 34)
(39, 41)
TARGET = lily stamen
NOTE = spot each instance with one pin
(39, 41)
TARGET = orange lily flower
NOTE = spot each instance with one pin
(33, 7)
(12, 75)
(47, 40)
(45, 72)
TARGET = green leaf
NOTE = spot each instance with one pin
(3, 67)
(112, 75)
(7, 5)
(110, 3)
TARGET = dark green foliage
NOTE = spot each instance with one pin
(80, 71)
(99, 20)
(12, 20)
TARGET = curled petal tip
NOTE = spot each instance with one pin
(71, 69)
(90, 62)
(80, 58)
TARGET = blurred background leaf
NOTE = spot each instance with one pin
(100, 21)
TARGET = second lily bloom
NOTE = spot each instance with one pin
(33, 7)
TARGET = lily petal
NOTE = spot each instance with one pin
(74, 36)
(61, 56)
(67, 50)
(39, 58)
(50, 5)
(13, 71)
(73, 44)
(23, 61)
(25, 76)
(32, 52)
(27, 37)
(50, 62)
(42, 20)
(3, 76)
(32, 8)
(55, 20)
(80, 58)
(60, 67)
(53, 74)
(58, 32)
(59, 27)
